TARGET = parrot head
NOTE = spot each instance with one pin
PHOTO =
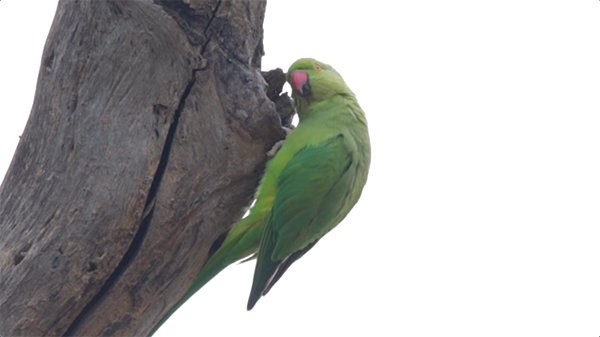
(314, 81)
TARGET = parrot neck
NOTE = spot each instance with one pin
(309, 108)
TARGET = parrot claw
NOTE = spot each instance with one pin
(278, 145)
(275, 148)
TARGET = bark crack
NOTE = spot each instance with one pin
(147, 214)
(212, 17)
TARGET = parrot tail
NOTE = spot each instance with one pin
(241, 242)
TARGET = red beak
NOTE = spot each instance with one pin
(300, 83)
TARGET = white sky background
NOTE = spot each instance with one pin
(481, 216)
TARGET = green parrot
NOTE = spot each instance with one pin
(318, 174)
(308, 187)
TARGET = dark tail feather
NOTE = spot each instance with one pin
(261, 282)
(268, 272)
(285, 264)
(265, 268)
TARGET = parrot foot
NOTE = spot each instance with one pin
(275, 148)
(278, 145)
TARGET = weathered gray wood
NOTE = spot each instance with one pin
(146, 139)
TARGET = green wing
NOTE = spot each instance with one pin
(312, 191)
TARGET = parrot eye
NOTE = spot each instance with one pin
(317, 68)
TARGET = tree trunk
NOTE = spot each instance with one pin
(146, 139)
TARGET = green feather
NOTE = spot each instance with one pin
(310, 195)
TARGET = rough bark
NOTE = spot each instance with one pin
(146, 139)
